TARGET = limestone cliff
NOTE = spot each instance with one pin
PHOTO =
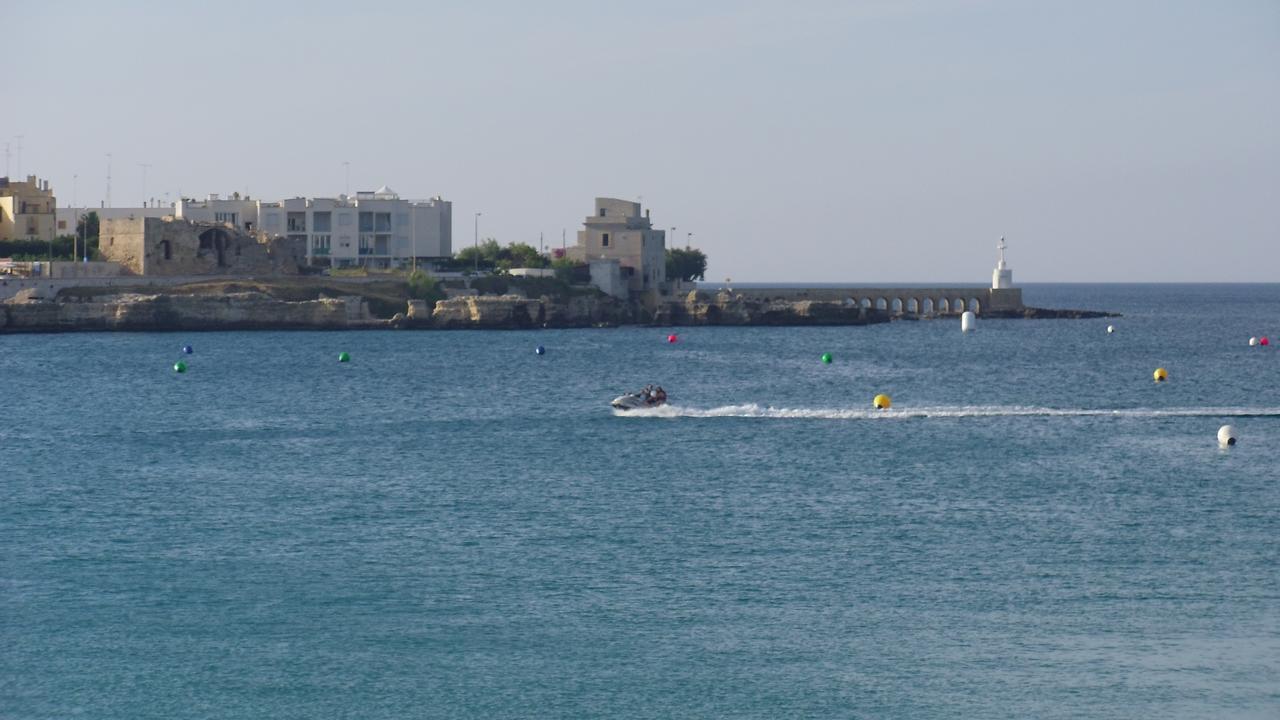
(515, 311)
(725, 308)
(236, 311)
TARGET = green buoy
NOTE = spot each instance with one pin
(344, 357)
(179, 367)
(826, 358)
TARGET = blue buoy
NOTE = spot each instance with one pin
(186, 349)
(541, 350)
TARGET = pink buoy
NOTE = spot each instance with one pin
(672, 338)
(1264, 341)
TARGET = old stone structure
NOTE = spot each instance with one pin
(169, 246)
(618, 230)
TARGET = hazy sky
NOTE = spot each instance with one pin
(824, 141)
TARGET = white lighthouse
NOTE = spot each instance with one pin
(1002, 276)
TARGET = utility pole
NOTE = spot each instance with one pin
(75, 187)
(144, 167)
(108, 179)
(475, 244)
(346, 170)
(20, 154)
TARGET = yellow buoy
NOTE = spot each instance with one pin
(1160, 374)
(882, 402)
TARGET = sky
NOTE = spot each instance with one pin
(873, 141)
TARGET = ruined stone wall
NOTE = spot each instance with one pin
(121, 240)
(156, 246)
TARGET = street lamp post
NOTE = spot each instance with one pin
(688, 240)
(475, 245)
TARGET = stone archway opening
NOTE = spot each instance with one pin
(215, 241)
(974, 306)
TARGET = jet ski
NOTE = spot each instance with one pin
(640, 400)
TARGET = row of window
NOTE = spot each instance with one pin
(323, 221)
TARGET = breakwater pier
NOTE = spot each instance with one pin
(919, 301)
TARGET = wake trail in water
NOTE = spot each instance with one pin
(753, 410)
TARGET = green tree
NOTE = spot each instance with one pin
(422, 286)
(523, 255)
(564, 269)
(483, 255)
(87, 226)
(686, 265)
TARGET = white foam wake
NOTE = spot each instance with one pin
(753, 410)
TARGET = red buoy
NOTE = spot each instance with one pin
(672, 338)
(1264, 341)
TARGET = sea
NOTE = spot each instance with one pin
(452, 525)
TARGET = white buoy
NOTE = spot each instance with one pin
(966, 321)
(1111, 329)
(1253, 341)
(1227, 436)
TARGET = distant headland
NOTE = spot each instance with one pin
(374, 260)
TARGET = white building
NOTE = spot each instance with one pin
(373, 229)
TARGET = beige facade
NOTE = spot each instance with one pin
(618, 230)
(27, 210)
(171, 246)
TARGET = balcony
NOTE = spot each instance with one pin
(320, 251)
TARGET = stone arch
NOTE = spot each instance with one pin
(913, 306)
(944, 306)
(215, 240)
(974, 306)
(896, 306)
(926, 306)
(882, 303)
(957, 305)
(865, 303)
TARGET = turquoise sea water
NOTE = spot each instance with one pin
(453, 526)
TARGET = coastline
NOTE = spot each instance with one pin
(326, 304)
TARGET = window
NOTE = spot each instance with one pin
(366, 222)
(344, 220)
(322, 222)
(382, 222)
(604, 239)
(601, 212)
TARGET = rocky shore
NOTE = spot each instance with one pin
(237, 308)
